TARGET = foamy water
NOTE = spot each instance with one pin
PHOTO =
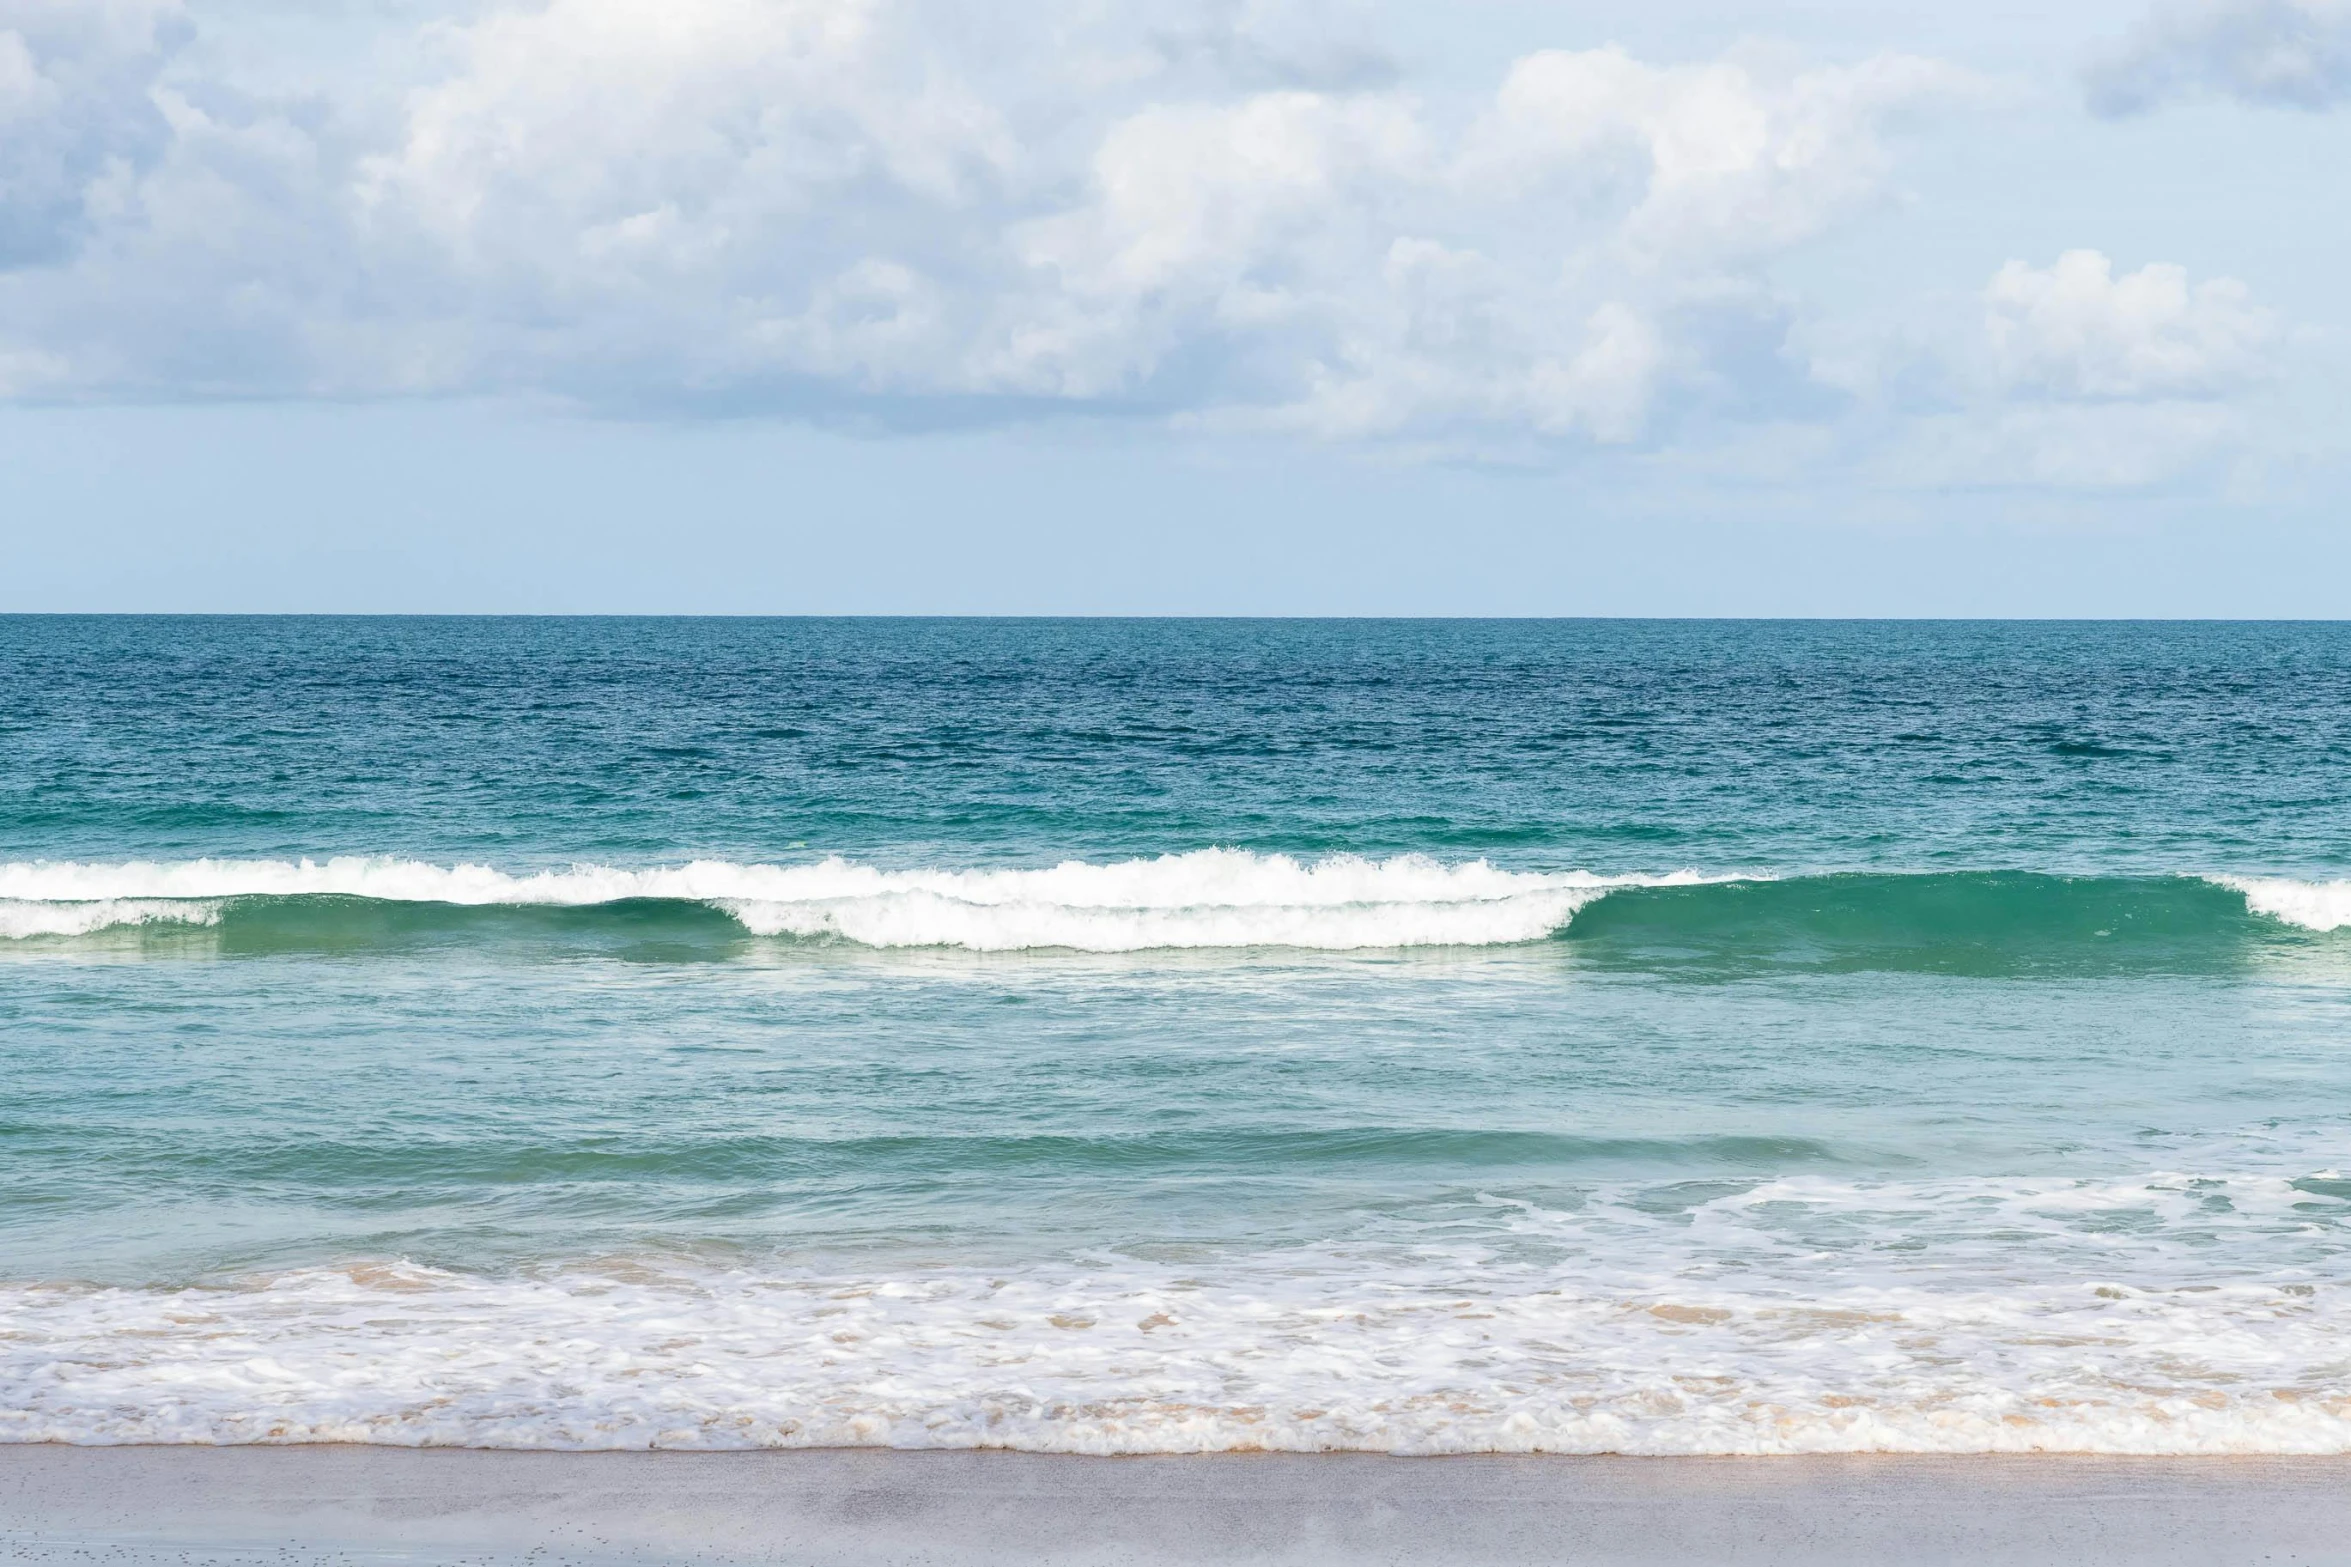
(1968, 1315)
(1128, 1361)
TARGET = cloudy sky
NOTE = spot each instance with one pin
(1684, 306)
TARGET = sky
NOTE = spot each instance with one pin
(1198, 306)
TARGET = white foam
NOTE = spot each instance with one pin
(1206, 898)
(1129, 1359)
(21, 918)
(2313, 905)
(2204, 1309)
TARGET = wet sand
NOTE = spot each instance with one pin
(289, 1505)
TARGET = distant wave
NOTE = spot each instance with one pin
(1207, 898)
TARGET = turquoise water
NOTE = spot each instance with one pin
(1146, 1036)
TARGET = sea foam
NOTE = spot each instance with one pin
(1133, 1358)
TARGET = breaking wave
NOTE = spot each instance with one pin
(23, 917)
(2313, 905)
(1207, 898)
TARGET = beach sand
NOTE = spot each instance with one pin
(288, 1505)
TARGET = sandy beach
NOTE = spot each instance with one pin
(286, 1505)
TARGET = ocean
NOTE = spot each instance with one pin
(1176, 1036)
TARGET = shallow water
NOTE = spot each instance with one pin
(1170, 1036)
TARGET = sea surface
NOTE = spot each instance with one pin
(1154, 1036)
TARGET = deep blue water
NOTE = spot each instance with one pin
(1600, 745)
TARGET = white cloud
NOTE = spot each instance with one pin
(905, 213)
(1728, 160)
(560, 122)
(2293, 53)
(2071, 377)
(1588, 246)
(74, 106)
(2065, 446)
(909, 212)
(2076, 330)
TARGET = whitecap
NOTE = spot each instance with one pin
(2313, 905)
(23, 918)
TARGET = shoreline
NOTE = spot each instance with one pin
(135, 1505)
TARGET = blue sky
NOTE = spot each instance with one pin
(1219, 306)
